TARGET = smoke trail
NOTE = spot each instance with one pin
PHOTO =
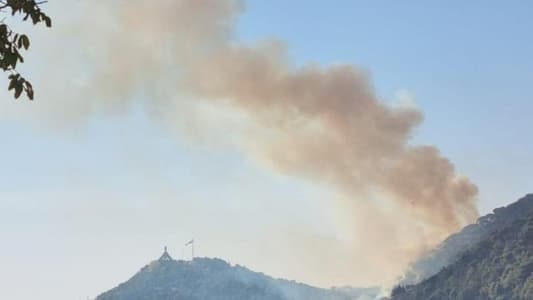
(324, 124)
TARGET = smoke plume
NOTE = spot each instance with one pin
(324, 124)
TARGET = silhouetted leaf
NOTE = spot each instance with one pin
(25, 41)
(47, 21)
(18, 90)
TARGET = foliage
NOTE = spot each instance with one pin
(215, 279)
(12, 43)
(452, 248)
(500, 267)
(398, 291)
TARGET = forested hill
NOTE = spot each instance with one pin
(452, 248)
(499, 267)
(215, 279)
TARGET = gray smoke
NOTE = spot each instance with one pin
(179, 60)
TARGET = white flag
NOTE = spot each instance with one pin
(189, 242)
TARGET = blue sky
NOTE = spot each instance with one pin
(89, 194)
(467, 64)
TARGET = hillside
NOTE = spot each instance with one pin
(206, 278)
(452, 248)
(499, 267)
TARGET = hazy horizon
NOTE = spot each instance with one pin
(154, 125)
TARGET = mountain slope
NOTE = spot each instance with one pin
(205, 278)
(452, 248)
(499, 267)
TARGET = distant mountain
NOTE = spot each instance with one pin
(499, 267)
(451, 249)
(215, 279)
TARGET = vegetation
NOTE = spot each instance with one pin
(215, 279)
(12, 43)
(454, 246)
(500, 267)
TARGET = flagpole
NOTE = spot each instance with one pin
(191, 242)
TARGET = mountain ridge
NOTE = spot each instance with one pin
(453, 246)
(500, 267)
(483, 247)
(214, 278)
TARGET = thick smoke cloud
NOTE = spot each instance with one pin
(323, 124)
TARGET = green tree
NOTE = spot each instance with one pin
(12, 43)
